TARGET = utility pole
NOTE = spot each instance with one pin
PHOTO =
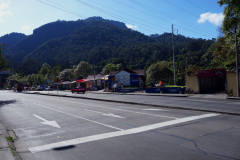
(174, 72)
(36, 76)
(94, 77)
(237, 71)
(94, 71)
(104, 77)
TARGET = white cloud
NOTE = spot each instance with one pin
(3, 11)
(26, 27)
(132, 26)
(215, 18)
(3, 5)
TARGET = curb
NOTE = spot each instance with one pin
(135, 103)
(122, 93)
(233, 98)
(6, 134)
(174, 95)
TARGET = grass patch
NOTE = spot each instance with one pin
(175, 86)
(9, 139)
(12, 150)
(10, 146)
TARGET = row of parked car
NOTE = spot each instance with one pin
(40, 88)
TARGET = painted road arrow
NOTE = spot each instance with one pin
(50, 123)
(105, 114)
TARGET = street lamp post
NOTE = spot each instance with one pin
(237, 71)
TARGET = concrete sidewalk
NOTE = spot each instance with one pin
(207, 96)
(134, 93)
(5, 150)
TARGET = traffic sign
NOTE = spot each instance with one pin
(57, 79)
(113, 79)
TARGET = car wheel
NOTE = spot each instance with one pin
(83, 92)
(78, 92)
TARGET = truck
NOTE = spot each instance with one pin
(20, 87)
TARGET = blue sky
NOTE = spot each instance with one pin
(192, 18)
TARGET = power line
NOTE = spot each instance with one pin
(79, 15)
(116, 16)
(109, 13)
(162, 19)
(181, 8)
(106, 12)
(170, 16)
(196, 5)
(127, 14)
(67, 9)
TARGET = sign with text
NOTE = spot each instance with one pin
(57, 79)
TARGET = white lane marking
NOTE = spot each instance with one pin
(193, 100)
(122, 110)
(154, 109)
(116, 134)
(40, 118)
(80, 117)
(105, 114)
(50, 123)
(130, 107)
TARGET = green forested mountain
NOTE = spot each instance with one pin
(167, 38)
(47, 32)
(95, 42)
(102, 42)
(12, 38)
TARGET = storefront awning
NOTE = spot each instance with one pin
(80, 80)
(66, 82)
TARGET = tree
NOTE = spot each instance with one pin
(160, 71)
(231, 13)
(66, 74)
(3, 60)
(66, 64)
(231, 23)
(83, 69)
(110, 67)
(45, 69)
(27, 67)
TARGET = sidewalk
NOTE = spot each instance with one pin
(207, 96)
(5, 150)
(134, 93)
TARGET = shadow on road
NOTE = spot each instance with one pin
(2, 103)
(64, 148)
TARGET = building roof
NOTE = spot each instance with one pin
(140, 71)
(112, 73)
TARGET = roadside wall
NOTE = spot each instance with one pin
(232, 84)
(192, 83)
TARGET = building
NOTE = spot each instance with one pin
(213, 81)
(127, 77)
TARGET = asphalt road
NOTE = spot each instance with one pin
(220, 105)
(68, 128)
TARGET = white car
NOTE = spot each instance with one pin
(49, 89)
